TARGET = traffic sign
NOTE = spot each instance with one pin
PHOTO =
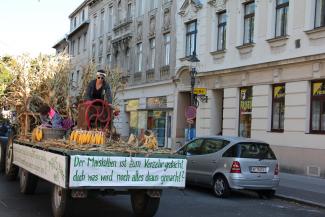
(190, 112)
(200, 91)
(190, 121)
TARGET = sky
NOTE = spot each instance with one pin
(33, 26)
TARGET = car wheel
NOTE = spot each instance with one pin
(266, 194)
(11, 170)
(27, 182)
(2, 157)
(221, 187)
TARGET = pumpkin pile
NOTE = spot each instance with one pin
(82, 137)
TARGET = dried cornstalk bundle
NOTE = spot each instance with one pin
(44, 79)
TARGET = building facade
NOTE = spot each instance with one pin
(78, 39)
(139, 39)
(263, 64)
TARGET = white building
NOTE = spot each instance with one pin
(263, 63)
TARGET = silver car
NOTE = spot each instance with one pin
(226, 163)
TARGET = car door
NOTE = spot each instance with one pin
(208, 161)
(192, 151)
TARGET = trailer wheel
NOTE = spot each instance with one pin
(143, 205)
(2, 157)
(59, 200)
(11, 169)
(28, 182)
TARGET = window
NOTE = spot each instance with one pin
(127, 59)
(278, 105)
(119, 12)
(191, 33)
(152, 53)
(77, 79)
(93, 51)
(249, 18)
(75, 22)
(85, 41)
(83, 15)
(245, 111)
(222, 29)
(129, 10)
(194, 147)
(281, 19)
(213, 145)
(94, 27)
(73, 47)
(100, 49)
(109, 60)
(320, 13)
(78, 46)
(110, 18)
(71, 80)
(139, 57)
(153, 4)
(255, 151)
(102, 22)
(167, 49)
(140, 7)
(318, 107)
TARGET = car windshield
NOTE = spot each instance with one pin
(255, 150)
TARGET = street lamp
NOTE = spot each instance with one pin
(194, 61)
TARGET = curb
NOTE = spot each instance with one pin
(299, 200)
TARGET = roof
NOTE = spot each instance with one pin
(233, 139)
(61, 41)
(83, 4)
(83, 24)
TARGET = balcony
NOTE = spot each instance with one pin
(137, 77)
(165, 72)
(122, 23)
(150, 75)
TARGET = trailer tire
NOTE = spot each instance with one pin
(11, 170)
(59, 201)
(2, 157)
(27, 182)
(143, 205)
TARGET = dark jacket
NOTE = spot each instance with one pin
(91, 87)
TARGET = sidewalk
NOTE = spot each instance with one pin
(303, 189)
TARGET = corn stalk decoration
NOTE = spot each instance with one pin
(44, 79)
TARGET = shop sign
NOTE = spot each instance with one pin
(279, 92)
(157, 102)
(319, 88)
(246, 100)
(132, 105)
(200, 91)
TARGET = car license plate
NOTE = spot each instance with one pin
(259, 169)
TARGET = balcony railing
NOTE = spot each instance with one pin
(164, 72)
(150, 75)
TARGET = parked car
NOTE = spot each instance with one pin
(226, 163)
(5, 131)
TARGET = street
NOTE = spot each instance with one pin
(193, 202)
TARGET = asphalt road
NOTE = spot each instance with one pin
(192, 202)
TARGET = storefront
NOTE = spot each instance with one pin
(156, 116)
(245, 111)
(159, 118)
(131, 109)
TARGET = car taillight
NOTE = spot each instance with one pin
(276, 170)
(235, 167)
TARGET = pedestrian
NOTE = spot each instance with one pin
(50, 117)
(99, 88)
